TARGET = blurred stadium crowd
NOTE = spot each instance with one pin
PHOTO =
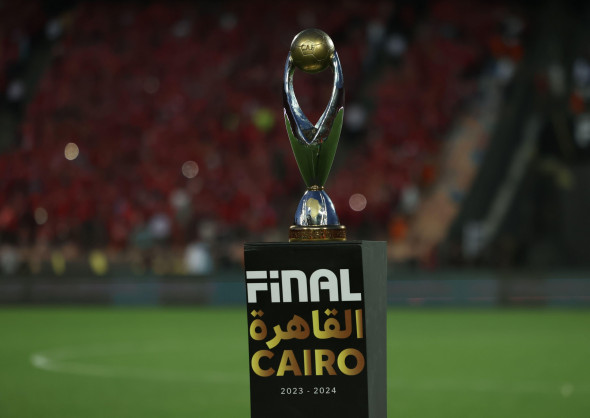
(155, 135)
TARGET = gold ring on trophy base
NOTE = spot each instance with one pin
(317, 233)
(315, 188)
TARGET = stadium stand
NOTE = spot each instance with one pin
(158, 127)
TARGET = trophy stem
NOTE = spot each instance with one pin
(316, 219)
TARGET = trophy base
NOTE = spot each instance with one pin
(357, 272)
(317, 233)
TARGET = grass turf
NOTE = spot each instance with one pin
(86, 362)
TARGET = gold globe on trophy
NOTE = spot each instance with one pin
(312, 51)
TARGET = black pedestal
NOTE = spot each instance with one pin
(316, 329)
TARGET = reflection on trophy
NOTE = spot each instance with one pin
(314, 146)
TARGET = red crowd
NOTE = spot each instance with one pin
(176, 115)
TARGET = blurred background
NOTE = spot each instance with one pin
(142, 143)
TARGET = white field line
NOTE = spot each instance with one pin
(78, 361)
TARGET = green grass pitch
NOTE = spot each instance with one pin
(89, 362)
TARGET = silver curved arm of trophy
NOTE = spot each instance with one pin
(303, 129)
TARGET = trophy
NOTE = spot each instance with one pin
(314, 146)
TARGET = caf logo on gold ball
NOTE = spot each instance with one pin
(312, 50)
